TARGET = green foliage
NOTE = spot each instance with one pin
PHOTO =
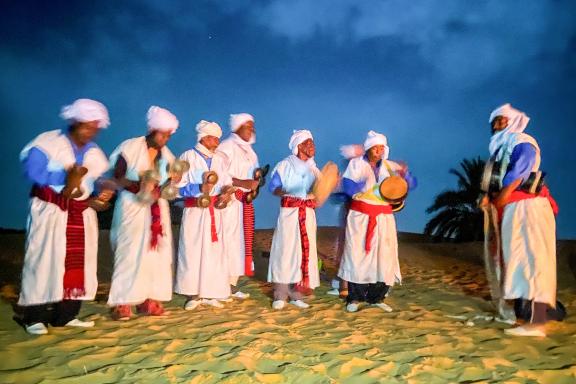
(457, 216)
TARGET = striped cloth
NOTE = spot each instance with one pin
(294, 202)
(75, 246)
(248, 219)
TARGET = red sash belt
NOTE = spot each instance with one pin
(75, 247)
(192, 202)
(519, 195)
(372, 211)
(248, 219)
(294, 202)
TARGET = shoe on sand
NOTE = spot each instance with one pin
(213, 303)
(278, 304)
(241, 295)
(191, 305)
(333, 292)
(525, 331)
(229, 299)
(383, 306)
(37, 329)
(352, 307)
(150, 308)
(80, 323)
(299, 303)
(122, 312)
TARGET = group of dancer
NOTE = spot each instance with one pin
(217, 181)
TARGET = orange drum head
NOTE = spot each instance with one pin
(393, 188)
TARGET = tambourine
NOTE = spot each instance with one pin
(394, 190)
(326, 183)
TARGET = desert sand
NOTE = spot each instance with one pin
(439, 332)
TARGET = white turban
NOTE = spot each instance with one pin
(517, 122)
(160, 119)
(298, 137)
(208, 128)
(239, 119)
(375, 138)
(83, 110)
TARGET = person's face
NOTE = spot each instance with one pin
(84, 132)
(499, 123)
(210, 142)
(375, 153)
(246, 131)
(160, 138)
(307, 148)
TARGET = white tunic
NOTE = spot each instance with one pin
(140, 272)
(243, 162)
(43, 271)
(285, 264)
(380, 264)
(529, 245)
(202, 267)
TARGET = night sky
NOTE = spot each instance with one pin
(427, 74)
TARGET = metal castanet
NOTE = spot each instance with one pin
(175, 172)
(209, 178)
(260, 175)
(148, 181)
(224, 197)
(103, 185)
(72, 189)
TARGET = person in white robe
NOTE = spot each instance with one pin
(59, 269)
(202, 271)
(370, 256)
(141, 232)
(528, 226)
(293, 266)
(238, 217)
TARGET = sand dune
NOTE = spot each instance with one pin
(439, 332)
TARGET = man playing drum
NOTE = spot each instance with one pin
(526, 212)
(293, 264)
(370, 258)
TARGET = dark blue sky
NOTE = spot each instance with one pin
(426, 74)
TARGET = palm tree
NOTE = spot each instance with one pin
(458, 217)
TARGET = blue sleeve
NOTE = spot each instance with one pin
(521, 162)
(350, 187)
(411, 180)
(36, 169)
(275, 182)
(190, 190)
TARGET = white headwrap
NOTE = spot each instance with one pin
(375, 138)
(160, 119)
(208, 128)
(83, 110)
(239, 119)
(517, 122)
(298, 137)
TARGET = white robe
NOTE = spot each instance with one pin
(286, 253)
(43, 271)
(202, 267)
(381, 263)
(529, 245)
(140, 272)
(243, 162)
